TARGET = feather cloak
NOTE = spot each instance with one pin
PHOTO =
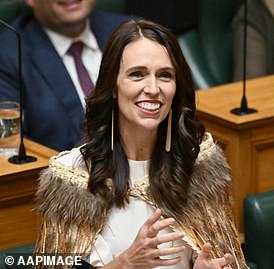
(72, 217)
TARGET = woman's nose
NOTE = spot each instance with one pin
(151, 87)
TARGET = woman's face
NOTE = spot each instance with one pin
(146, 85)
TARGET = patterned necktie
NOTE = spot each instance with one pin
(75, 51)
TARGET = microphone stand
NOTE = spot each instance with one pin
(244, 109)
(21, 158)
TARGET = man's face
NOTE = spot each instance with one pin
(63, 16)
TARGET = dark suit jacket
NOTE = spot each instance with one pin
(52, 108)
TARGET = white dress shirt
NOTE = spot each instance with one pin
(91, 56)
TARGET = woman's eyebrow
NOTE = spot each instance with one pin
(167, 68)
(139, 67)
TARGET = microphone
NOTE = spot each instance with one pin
(244, 109)
(21, 158)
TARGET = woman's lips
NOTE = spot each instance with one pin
(149, 106)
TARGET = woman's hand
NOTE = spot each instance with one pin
(204, 261)
(144, 252)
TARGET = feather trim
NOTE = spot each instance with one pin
(73, 217)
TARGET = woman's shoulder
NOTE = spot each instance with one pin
(209, 149)
(68, 166)
(71, 158)
(63, 195)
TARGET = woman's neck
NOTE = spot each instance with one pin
(138, 145)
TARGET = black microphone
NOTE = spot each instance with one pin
(244, 109)
(21, 158)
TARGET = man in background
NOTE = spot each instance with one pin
(53, 84)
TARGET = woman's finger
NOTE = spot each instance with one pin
(153, 218)
(170, 251)
(205, 252)
(168, 237)
(155, 223)
(229, 258)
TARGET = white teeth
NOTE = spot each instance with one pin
(149, 106)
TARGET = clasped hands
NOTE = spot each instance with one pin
(145, 254)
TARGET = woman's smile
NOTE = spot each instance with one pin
(150, 107)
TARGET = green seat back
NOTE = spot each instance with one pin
(259, 229)
(112, 5)
(11, 9)
(217, 36)
(208, 47)
(25, 251)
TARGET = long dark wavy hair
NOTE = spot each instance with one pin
(169, 172)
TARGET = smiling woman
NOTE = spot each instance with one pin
(149, 187)
(146, 85)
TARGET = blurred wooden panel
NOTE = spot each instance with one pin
(18, 185)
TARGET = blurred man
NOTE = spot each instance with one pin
(53, 92)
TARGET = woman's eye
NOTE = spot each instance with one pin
(136, 75)
(166, 76)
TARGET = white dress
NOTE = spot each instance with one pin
(124, 224)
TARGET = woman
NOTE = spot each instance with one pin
(149, 189)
